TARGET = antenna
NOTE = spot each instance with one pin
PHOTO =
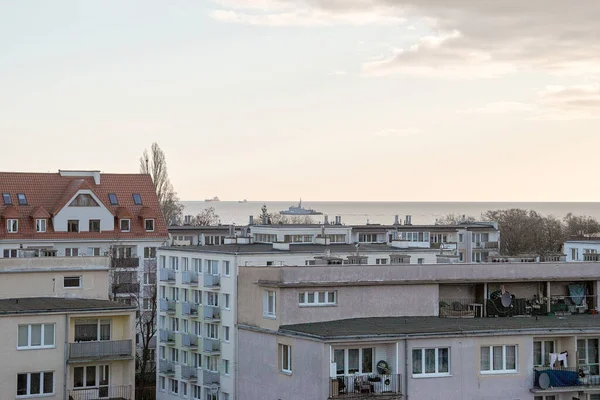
(146, 159)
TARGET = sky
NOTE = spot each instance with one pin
(366, 100)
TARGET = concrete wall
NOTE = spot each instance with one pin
(450, 291)
(310, 368)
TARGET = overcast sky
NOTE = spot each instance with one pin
(320, 99)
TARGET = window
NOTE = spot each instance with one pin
(93, 251)
(298, 238)
(197, 328)
(317, 298)
(552, 397)
(149, 224)
(431, 362)
(10, 253)
(197, 264)
(381, 261)
(226, 367)
(174, 355)
(226, 268)
(88, 330)
(149, 252)
(174, 263)
(94, 225)
(22, 199)
(185, 263)
(285, 358)
(587, 354)
(183, 389)
(137, 199)
(72, 282)
(84, 200)
(336, 238)
(36, 336)
(71, 252)
(541, 352)
(212, 331)
(196, 392)
(226, 333)
(7, 199)
(498, 359)
(269, 304)
(112, 198)
(40, 225)
(125, 225)
(33, 383)
(225, 396)
(197, 296)
(12, 225)
(352, 361)
(367, 237)
(163, 384)
(265, 238)
(226, 298)
(91, 376)
(173, 386)
(212, 267)
(73, 225)
(420, 261)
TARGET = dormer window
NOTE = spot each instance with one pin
(149, 223)
(7, 199)
(137, 199)
(12, 225)
(40, 225)
(125, 225)
(22, 199)
(112, 198)
(73, 225)
(84, 200)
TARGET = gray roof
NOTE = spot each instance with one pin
(57, 304)
(420, 326)
(210, 228)
(261, 248)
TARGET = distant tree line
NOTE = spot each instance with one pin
(528, 232)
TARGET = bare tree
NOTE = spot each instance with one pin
(155, 164)
(580, 225)
(146, 327)
(207, 217)
(454, 219)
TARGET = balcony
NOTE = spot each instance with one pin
(189, 373)
(210, 377)
(366, 387)
(102, 392)
(212, 280)
(212, 346)
(126, 288)
(189, 277)
(490, 245)
(188, 308)
(561, 379)
(127, 262)
(443, 246)
(166, 336)
(167, 306)
(188, 340)
(166, 275)
(212, 313)
(166, 367)
(104, 350)
(460, 308)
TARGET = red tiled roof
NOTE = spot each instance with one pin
(123, 213)
(40, 212)
(10, 212)
(50, 192)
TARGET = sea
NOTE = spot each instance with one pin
(352, 213)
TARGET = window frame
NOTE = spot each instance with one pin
(94, 221)
(267, 296)
(7, 199)
(543, 344)
(70, 223)
(361, 352)
(43, 337)
(22, 199)
(146, 224)
(110, 199)
(38, 222)
(285, 350)
(226, 268)
(42, 381)
(79, 279)
(128, 220)
(503, 370)
(303, 298)
(437, 372)
(12, 225)
(137, 199)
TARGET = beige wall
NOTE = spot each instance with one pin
(250, 296)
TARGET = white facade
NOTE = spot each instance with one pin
(582, 250)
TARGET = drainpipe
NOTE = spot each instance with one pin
(66, 366)
(406, 367)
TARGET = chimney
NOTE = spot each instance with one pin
(338, 219)
(251, 220)
(231, 231)
(396, 220)
(326, 219)
(264, 220)
(187, 220)
(408, 221)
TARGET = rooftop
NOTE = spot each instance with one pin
(430, 326)
(29, 305)
(263, 248)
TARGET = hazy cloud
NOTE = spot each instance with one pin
(500, 107)
(392, 132)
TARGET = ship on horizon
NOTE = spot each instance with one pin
(213, 199)
(299, 210)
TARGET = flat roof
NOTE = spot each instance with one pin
(29, 305)
(424, 326)
(262, 248)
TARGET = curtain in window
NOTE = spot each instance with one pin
(430, 361)
(23, 335)
(537, 353)
(417, 362)
(353, 361)
(338, 358)
(485, 358)
(36, 335)
(86, 330)
(511, 357)
(48, 335)
(367, 361)
(548, 348)
(443, 364)
(105, 329)
(48, 382)
(90, 375)
(35, 383)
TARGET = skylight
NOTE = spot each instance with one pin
(137, 199)
(112, 197)
(7, 199)
(22, 199)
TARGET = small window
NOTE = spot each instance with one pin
(36, 336)
(149, 225)
(84, 200)
(285, 358)
(7, 199)
(72, 282)
(269, 304)
(226, 333)
(137, 199)
(112, 198)
(40, 225)
(73, 225)
(93, 251)
(35, 384)
(226, 268)
(125, 225)
(71, 252)
(149, 252)
(12, 225)
(498, 359)
(431, 362)
(22, 199)
(94, 225)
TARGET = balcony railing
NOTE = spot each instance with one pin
(188, 277)
(166, 275)
(213, 313)
(128, 262)
(365, 386)
(166, 305)
(573, 304)
(212, 280)
(188, 308)
(101, 349)
(212, 346)
(188, 340)
(189, 373)
(166, 367)
(102, 392)
(210, 377)
(126, 288)
(491, 245)
(166, 336)
(545, 378)
(460, 308)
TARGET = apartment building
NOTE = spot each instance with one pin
(507, 330)
(87, 214)
(61, 336)
(582, 249)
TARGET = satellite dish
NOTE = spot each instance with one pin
(544, 380)
(506, 299)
